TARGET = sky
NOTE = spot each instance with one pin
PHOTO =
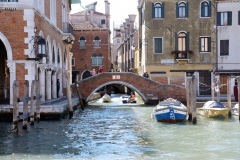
(119, 9)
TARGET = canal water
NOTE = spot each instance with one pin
(113, 131)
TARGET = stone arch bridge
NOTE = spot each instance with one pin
(149, 90)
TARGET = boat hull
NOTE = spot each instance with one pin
(213, 112)
(170, 115)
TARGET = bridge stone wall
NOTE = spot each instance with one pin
(148, 89)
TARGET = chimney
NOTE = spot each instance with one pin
(107, 13)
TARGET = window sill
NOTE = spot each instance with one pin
(205, 17)
(96, 47)
(182, 18)
(204, 52)
(159, 18)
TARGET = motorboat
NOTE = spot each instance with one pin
(126, 99)
(170, 110)
(235, 109)
(213, 109)
(106, 98)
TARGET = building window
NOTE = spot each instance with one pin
(158, 45)
(205, 44)
(206, 9)
(182, 42)
(238, 17)
(82, 42)
(224, 47)
(97, 41)
(224, 18)
(8, 0)
(103, 21)
(73, 61)
(143, 18)
(97, 60)
(182, 10)
(158, 10)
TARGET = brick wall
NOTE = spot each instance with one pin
(86, 53)
(47, 8)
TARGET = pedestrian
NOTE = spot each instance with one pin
(94, 72)
(235, 91)
(145, 74)
(100, 70)
(58, 88)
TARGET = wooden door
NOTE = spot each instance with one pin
(223, 80)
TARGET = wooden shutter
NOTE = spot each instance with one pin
(210, 9)
(153, 11)
(186, 9)
(187, 42)
(209, 44)
(177, 10)
(230, 18)
(162, 10)
(202, 9)
(176, 41)
(200, 46)
(219, 18)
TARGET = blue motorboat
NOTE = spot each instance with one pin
(170, 110)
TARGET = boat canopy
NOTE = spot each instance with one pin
(167, 103)
(213, 104)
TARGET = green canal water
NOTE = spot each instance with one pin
(112, 131)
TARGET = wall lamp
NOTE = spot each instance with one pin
(41, 48)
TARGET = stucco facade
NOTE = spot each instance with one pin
(178, 38)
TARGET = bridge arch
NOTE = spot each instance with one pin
(118, 82)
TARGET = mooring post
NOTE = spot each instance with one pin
(79, 95)
(25, 103)
(194, 118)
(218, 92)
(188, 95)
(212, 88)
(33, 91)
(229, 96)
(69, 96)
(15, 106)
(238, 83)
(37, 101)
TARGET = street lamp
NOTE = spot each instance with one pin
(41, 44)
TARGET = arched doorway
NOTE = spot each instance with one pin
(4, 76)
(86, 74)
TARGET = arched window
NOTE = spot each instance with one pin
(182, 41)
(82, 42)
(58, 57)
(47, 53)
(205, 9)
(97, 60)
(53, 56)
(158, 10)
(97, 41)
(182, 9)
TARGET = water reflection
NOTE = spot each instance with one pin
(115, 131)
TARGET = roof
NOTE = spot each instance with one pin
(86, 26)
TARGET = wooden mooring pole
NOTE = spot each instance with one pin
(188, 96)
(79, 95)
(25, 104)
(38, 97)
(213, 92)
(193, 100)
(15, 106)
(69, 96)
(33, 91)
(229, 96)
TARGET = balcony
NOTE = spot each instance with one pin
(182, 56)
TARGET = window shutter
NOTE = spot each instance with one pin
(153, 11)
(209, 44)
(162, 10)
(160, 45)
(200, 46)
(202, 9)
(230, 18)
(210, 9)
(187, 42)
(177, 10)
(187, 9)
(219, 18)
(176, 41)
(238, 17)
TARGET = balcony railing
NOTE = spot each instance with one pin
(182, 54)
(67, 28)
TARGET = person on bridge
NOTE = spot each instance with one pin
(93, 72)
(100, 70)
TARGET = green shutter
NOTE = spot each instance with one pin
(209, 44)
(162, 10)
(153, 11)
(177, 10)
(238, 17)
(202, 9)
(187, 41)
(176, 41)
(200, 46)
(219, 18)
(186, 9)
(230, 18)
(160, 45)
(75, 1)
(210, 9)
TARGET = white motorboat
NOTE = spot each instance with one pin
(235, 109)
(106, 98)
(213, 109)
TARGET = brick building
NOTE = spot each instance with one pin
(22, 24)
(92, 47)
